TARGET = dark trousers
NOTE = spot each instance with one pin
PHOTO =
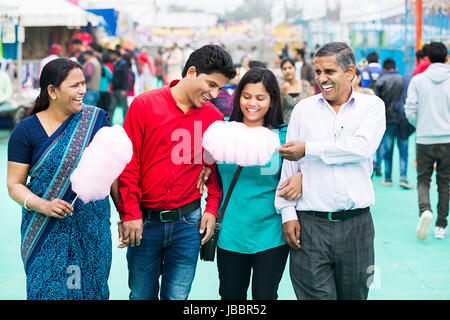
(104, 102)
(427, 156)
(390, 135)
(235, 269)
(336, 258)
(118, 99)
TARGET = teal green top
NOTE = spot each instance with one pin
(251, 223)
(105, 80)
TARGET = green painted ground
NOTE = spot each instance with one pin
(406, 268)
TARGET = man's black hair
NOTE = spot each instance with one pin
(76, 41)
(389, 64)
(209, 59)
(420, 54)
(301, 52)
(372, 57)
(437, 52)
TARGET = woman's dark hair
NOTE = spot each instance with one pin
(274, 116)
(256, 64)
(53, 73)
(292, 61)
(209, 59)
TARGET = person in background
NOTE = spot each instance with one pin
(292, 90)
(92, 69)
(104, 101)
(369, 76)
(186, 53)
(245, 65)
(6, 90)
(120, 82)
(224, 100)
(76, 47)
(303, 69)
(427, 108)
(174, 63)
(276, 69)
(422, 61)
(238, 54)
(159, 68)
(390, 89)
(54, 52)
(371, 72)
(357, 84)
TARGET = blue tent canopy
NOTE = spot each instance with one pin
(110, 18)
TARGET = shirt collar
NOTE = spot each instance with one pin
(191, 111)
(352, 98)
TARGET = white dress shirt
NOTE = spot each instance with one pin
(298, 70)
(337, 165)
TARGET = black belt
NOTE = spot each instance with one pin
(170, 215)
(338, 215)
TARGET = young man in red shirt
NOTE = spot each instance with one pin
(162, 223)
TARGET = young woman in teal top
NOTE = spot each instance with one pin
(251, 235)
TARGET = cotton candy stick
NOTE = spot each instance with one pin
(101, 163)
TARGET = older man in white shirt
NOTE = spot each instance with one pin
(331, 138)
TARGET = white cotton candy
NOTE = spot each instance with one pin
(101, 163)
(236, 143)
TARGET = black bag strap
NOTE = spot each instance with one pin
(227, 198)
(370, 74)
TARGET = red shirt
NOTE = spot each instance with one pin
(167, 155)
(421, 66)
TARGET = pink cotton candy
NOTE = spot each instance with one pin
(101, 163)
(236, 143)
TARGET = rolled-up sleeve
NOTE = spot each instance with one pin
(287, 208)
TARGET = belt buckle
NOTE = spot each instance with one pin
(161, 213)
(330, 217)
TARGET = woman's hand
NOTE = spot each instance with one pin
(292, 187)
(56, 208)
(203, 178)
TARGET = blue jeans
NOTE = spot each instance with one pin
(388, 149)
(91, 97)
(169, 250)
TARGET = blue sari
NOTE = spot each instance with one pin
(69, 258)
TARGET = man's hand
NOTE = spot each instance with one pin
(208, 222)
(291, 233)
(292, 187)
(203, 178)
(130, 233)
(293, 150)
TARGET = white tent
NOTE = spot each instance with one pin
(47, 13)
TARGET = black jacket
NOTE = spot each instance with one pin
(390, 89)
(120, 75)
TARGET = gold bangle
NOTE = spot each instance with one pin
(25, 201)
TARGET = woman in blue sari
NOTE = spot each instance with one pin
(66, 250)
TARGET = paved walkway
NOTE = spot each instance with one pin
(406, 268)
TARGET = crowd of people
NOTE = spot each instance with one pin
(331, 117)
